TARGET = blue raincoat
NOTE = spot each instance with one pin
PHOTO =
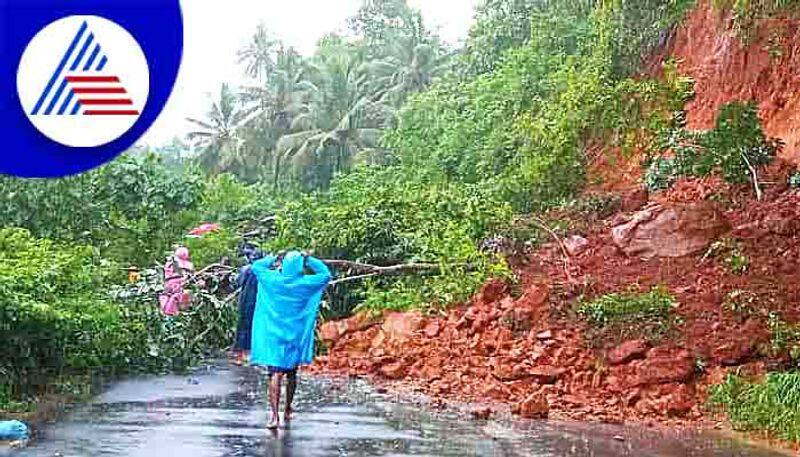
(287, 306)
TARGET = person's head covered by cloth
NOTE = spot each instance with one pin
(287, 306)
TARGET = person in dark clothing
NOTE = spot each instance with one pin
(248, 289)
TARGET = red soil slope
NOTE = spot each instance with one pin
(765, 70)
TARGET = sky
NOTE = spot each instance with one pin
(215, 30)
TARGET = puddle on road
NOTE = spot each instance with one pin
(221, 412)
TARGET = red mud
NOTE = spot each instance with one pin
(531, 353)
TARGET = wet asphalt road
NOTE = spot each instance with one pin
(221, 412)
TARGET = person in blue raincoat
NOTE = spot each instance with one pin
(287, 306)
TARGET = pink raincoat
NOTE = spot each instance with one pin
(175, 297)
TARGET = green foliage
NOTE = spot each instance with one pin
(736, 148)
(731, 252)
(522, 128)
(226, 199)
(501, 25)
(58, 324)
(131, 209)
(741, 303)
(386, 215)
(794, 180)
(768, 406)
(212, 247)
(627, 315)
(785, 338)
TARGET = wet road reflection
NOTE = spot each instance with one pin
(220, 411)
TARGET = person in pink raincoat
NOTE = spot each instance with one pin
(175, 297)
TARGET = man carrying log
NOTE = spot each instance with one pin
(287, 306)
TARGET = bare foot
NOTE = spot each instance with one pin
(273, 423)
(287, 414)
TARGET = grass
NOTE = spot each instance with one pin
(768, 406)
(784, 338)
(630, 315)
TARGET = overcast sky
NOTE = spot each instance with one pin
(215, 30)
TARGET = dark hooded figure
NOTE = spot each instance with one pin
(248, 285)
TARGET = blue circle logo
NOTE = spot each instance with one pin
(82, 80)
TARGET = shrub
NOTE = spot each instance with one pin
(627, 315)
(785, 338)
(736, 148)
(747, 13)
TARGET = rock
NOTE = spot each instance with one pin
(394, 370)
(634, 201)
(401, 326)
(673, 230)
(333, 331)
(734, 353)
(679, 405)
(329, 332)
(492, 291)
(664, 366)
(627, 351)
(784, 225)
(545, 335)
(576, 244)
(481, 413)
(545, 374)
(535, 406)
(432, 329)
(534, 297)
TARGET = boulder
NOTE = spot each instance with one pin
(664, 366)
(576, 244)
(627, 351)
(432, 329)
(333, 331)
(634, 200)
(535, 406)
(394, 370)
(401, 326)
(545, 374)
(481, 413)
(673, 230)
(735, 352)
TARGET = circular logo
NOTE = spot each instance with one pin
(83, 81)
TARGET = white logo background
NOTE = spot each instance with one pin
(41, 59)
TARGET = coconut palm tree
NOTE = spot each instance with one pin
(259, 54)
(339, 120)
(218, 136)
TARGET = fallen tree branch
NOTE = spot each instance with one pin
(567, 258)
(338, 263)
(352, 278)
(367, 270)
(754, 174)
